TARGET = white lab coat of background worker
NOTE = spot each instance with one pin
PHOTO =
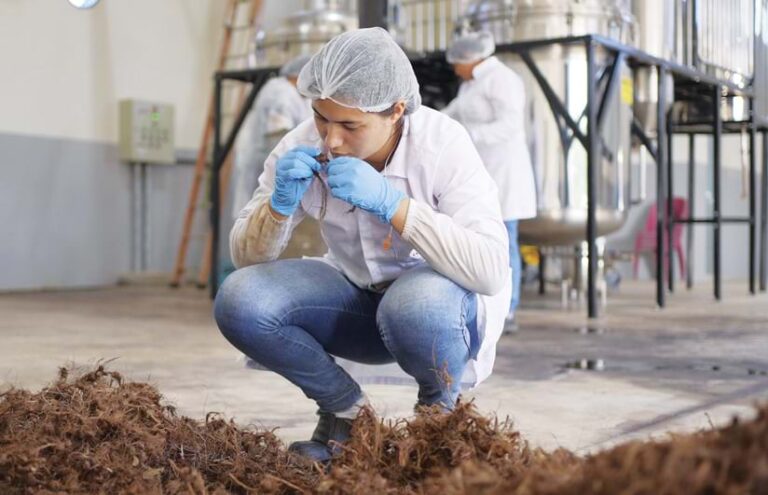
(491, 105)
(278, 108)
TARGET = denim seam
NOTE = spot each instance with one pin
(384, 334)
(281, 320)
(463, 323)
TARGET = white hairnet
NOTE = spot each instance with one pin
(363, 69)
(294, 66)
(471, 47)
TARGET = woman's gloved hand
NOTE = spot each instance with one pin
(293, 176)
(359, 184)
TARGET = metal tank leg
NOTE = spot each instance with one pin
(220, 152)
(718, 127)
(764, 215)
(661, 158)
(218, 162)
(670, 209)
(752, 198)
(593, 158)
(691, 199)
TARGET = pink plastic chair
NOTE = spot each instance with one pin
(645, 241)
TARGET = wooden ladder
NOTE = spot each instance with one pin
(239, 30)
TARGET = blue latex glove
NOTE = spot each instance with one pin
(359, 184)
(293, 176)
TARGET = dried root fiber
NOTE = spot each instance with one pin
(97, 433)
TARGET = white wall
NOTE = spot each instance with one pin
(64, 195)
(68, 67)
(65, 69)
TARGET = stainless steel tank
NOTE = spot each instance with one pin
(716, 37)
(424, 25)
(655, 34)
(713, 36)
(304, 32)
(761, 59)
(561, 175)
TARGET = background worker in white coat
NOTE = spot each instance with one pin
(491, 105)
(416, 278)
(278, 108)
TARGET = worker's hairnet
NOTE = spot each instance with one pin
(293, 67)
(363, 69)
(471, 47)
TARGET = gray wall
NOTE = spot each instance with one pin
(65, 211)
(65, 199)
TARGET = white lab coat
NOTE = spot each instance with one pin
(492, 108)
(278, 108)
(453, 223)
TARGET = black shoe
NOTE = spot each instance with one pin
(329, 433)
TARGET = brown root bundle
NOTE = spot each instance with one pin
(99, 434)
(96, 433)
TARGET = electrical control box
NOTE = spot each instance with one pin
(146, 132)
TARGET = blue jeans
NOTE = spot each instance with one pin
(292, 316)
(515, 264)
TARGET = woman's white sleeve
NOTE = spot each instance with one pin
(465, 239)
(257, 236)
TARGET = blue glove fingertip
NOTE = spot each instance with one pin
(310, 151)
(340, 165)
(309, 161)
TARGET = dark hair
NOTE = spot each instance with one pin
(389, 111)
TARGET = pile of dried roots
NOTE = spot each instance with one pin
(96, 433)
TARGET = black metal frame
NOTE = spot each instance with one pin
(257, 78)
(601, 84)
(718, 127)
(661, 153)
(763, 235)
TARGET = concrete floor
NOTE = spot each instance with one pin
(696, 363)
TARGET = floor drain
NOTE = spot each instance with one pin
(590, 330)
(587, 365)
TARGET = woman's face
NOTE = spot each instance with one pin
(352, 132)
